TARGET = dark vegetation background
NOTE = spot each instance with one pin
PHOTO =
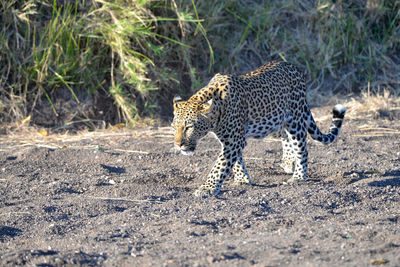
(93, 63)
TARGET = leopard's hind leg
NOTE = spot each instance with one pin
(297, 133)
(288, 154)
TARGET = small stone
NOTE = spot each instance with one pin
(354, 175)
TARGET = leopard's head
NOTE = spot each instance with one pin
(190, 122)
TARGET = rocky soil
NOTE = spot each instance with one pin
(124, 198)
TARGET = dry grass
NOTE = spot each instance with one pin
(32, 136)
(368, 131)
(372, 105)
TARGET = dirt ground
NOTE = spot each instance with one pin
(124, 198)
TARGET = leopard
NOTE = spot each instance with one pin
(270, 100)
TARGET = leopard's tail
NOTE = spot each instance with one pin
(337, 120)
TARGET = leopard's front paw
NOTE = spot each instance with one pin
(206, 191)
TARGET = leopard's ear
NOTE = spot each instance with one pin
(176, 100)
(206, 108)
